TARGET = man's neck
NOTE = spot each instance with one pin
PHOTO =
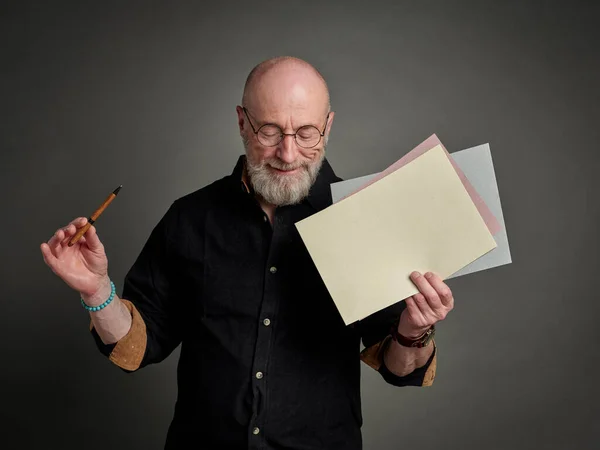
(268, 208)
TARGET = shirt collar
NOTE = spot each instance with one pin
(319, 196)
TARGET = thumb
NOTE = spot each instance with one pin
(92, 240)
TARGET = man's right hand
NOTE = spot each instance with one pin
(83, 266)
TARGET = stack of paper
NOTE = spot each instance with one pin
(422, 213)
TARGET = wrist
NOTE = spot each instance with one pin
(412, 333)
(100, 295)
(412, 337)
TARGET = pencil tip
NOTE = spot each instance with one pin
(116, 191)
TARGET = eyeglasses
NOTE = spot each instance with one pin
(270, 134)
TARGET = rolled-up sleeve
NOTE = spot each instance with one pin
(150, 295)
(375, 335)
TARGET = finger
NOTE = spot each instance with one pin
(413, 308)
(64, 243)
(79, 221)
(55, 243)
(68, 233)
(442, 289)
(49, 257)
(423, 306)
(427, 289)
(71, 229)
(56, 237)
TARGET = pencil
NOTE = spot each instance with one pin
(95, 216)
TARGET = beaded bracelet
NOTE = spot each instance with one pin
(103, 305)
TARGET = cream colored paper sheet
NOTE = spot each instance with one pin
(418, 218)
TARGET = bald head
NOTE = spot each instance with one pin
(284, 83)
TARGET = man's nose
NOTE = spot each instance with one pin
(287, 150)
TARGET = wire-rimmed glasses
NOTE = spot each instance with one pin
(269, 134)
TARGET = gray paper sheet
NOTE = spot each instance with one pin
(478, 167)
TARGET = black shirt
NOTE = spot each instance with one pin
(266, 360)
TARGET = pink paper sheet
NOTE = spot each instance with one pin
(487, 216)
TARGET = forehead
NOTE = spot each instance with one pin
(296, 97)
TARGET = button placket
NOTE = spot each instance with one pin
(267, 313)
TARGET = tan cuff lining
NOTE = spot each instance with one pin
(430, 374)
(129, 351)
(373, 357)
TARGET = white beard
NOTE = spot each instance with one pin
(279, 189)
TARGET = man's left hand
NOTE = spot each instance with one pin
(424, 309)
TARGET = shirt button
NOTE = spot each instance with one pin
(264, 218)
(266, 322)
(259, 375)
(273, 269)
(256, 430)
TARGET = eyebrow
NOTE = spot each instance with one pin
(318, 127)
(259, 123)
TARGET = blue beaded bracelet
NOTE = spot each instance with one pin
(103, 305)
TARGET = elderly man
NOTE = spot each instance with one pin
(266, 361)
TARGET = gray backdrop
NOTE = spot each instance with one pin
(97, 94)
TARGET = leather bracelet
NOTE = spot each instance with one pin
(419, 342)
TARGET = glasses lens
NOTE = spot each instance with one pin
(269, 135)
(308, 136)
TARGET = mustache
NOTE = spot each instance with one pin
(276, 164)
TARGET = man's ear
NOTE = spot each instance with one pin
(329, 122)
(241, 118)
